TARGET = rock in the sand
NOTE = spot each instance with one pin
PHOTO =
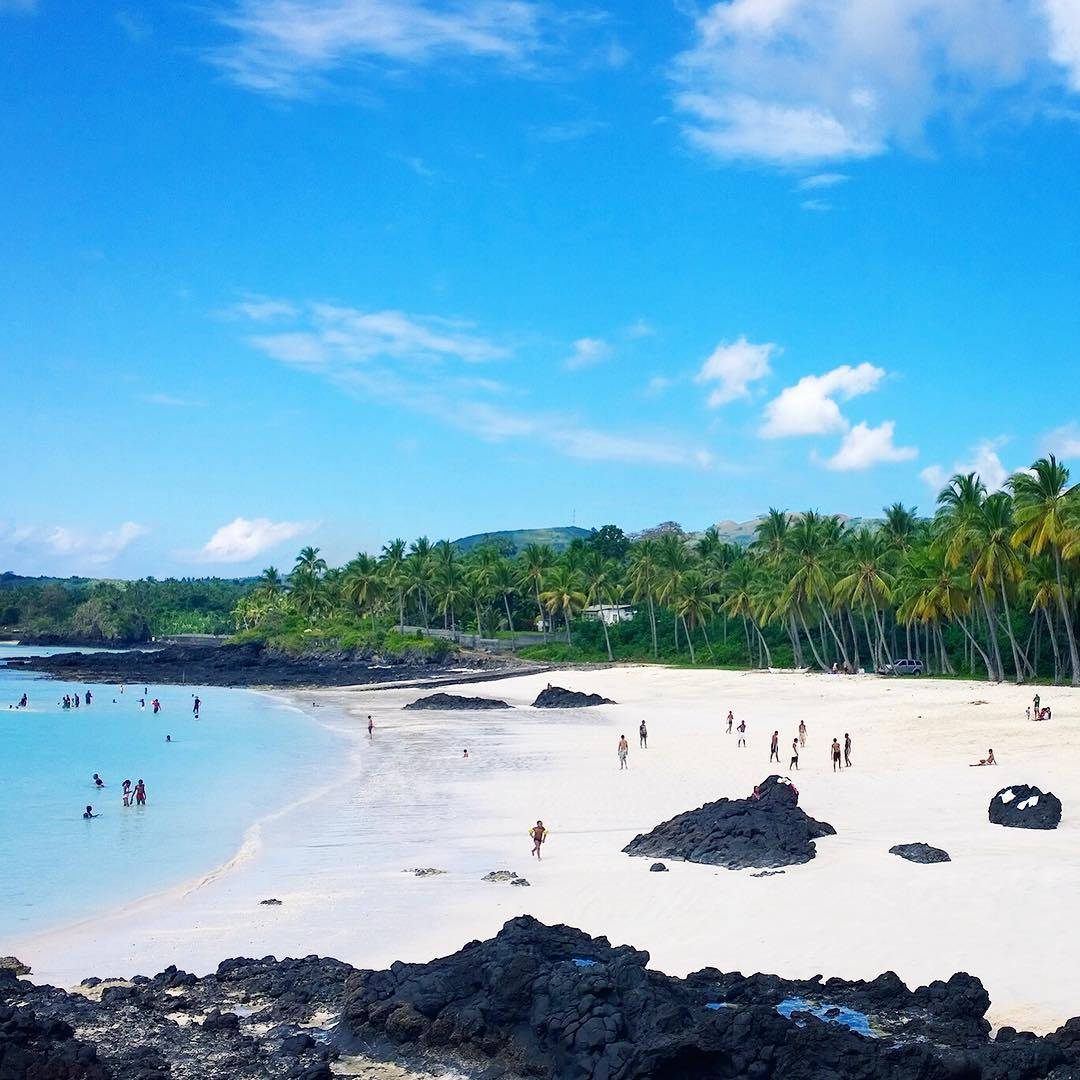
(658, 868)
(920, 853)
(13, 963)
(455, 701)
(552, 1002)
(1024, 807)
(766, 830)
(769, 873)
(501, 875)
(519, 881)
(272, 902)
(424, 871)
(557, 697)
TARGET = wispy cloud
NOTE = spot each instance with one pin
(260, 308)
(134, 25)
(242, 539)
(822, 180)
(734, 365)
(424, 364)
(640, 328)
(657, 385)
(798, 81)
(291, 47)
(818, 205)
(588, 352)
(1062, 441)
(74, 547)
(809, 406)
(982, 459)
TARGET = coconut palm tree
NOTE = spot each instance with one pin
(310, 561)
(270, 581)
(867, 583)
(392, 561)
(362, 585)
(811, 579)
(563, 594)
(601, 582)
(1044, 509)
(644, 572)
(503, 581)
(694, 604)
(536, 562)
(900, 526)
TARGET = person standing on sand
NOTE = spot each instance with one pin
(730, 721)
(624, 751)
(836, 755)
(774, 748)
(370, 727)
(847, 750)
(802, 732)
(1035, 702)
(742, 734)
(643, 736)
(794, 763)
(539, 835)
(140, 793)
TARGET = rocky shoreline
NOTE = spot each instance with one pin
(534, 1001)
(253, 664)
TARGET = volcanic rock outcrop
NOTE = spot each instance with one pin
(1023, 807)
(767, 829)
(456, 701)
(552, 1002)
(920, 853)
(558, 697)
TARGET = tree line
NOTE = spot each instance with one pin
(988, 584)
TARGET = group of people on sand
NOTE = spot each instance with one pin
(1034, 712)
(68, 701)
(133, 796)
(623, 749)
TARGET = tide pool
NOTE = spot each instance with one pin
(248, 755)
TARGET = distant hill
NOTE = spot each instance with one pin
(742, 532)
(511, 541)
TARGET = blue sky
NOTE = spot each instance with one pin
(278, 272)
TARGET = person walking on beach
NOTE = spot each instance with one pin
(794, 763)
(730, 721)
(836, 766)
(195, 707)
(539, 835)
(774, 748)
(742, 734)
(624, 751)
(847, 750)
(370, 727)
(140, 793)
(643, 736)
(802, 732)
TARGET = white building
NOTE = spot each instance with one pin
(610, 613)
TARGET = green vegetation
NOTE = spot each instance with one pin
(988, 586)
(117, 612)
(510, 541)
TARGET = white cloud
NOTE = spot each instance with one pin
(290, 47)
(74, 546)
(657, 385)
(735, 365)
(822, 180)
(809, 408)
(261, 308)
(796, 81)
(864, 446)
(983, 460)
(1064, 441)
(640, 328)
(243, 538)
(587, 353)
(820, 205)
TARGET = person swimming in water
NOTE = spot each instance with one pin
(98, 782)
(168, 738)
(88, 813)
(464, 754)
(89, 697)
(539, 835)
(156, 705)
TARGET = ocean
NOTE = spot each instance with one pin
(247, 755)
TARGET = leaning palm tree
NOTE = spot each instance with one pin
(536, 561)
(563, 594)
(694, 604)
(867, 583)
(644, 575)
(1040, 584)
(1044, 509)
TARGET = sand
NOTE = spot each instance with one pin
(407, 798)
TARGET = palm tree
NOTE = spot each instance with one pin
(770, 543)
(536, 561)
(419, 574)
(1044, 509)
(270, 582)
(694, 604)
(1041, 584)
(900, 525)
(643, 580)
(673, 561)
(563, 594)
(392, 561)
(504, 582)
(601, 580)
(807, 543)
(868, 584)
(362, 585)
(310, 561)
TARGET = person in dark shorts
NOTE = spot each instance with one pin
(847, 750)
(539, 835)
(643, 736)
(774, 747)
(836, 766)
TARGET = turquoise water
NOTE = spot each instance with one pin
(247, 755)
(849, 1018)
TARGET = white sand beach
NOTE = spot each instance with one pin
(407, 798)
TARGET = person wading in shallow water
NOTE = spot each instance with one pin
(370, 727)
(140, 794)
(539, 835)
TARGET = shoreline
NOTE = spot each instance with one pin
(858, 911)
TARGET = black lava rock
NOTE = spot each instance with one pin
(921, 853)
(557, 697)
(550, 1001)
(1023, 807)
(768, 829)
(658, 868)
(456, 701)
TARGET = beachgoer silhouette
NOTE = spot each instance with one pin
(847, 750)
(168, 738)
(624, 751)
(643, 736)
(802, 732)
(539, 835)
(730, 721)
(127, 792)
(836, 755)
(742, 734)
(774, 747)
(988, 760)
(464, 754)
(370, 727)
(89, 697)
(1035, 703)
(140, 794)
(98, 782)
(89, 813)
(794, 763)
(195, 709)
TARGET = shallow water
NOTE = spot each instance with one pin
(849, 1018)
(247, 755)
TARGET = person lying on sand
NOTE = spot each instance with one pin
(539, 835)
(988, 760)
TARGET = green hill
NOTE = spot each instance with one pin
(511, 541)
